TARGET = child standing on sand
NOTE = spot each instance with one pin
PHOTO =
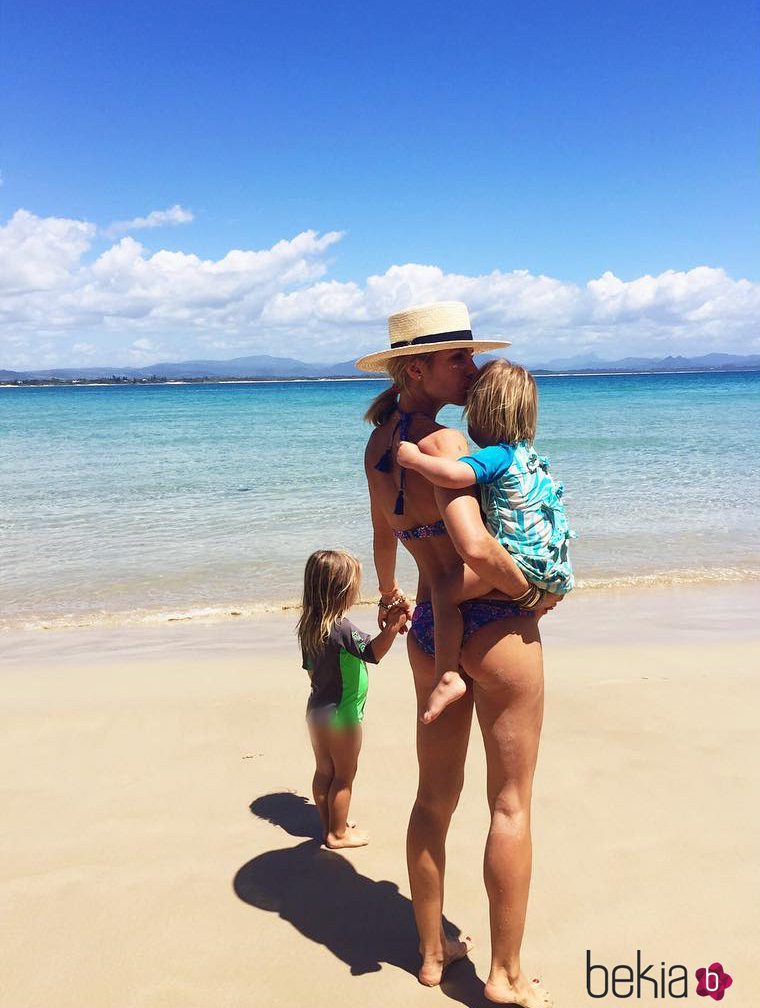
(335, 653)
(521, 502)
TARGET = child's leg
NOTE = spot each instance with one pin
(446, 594)
(345, 744)
(323, 774)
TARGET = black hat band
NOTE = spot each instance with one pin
(446, 337)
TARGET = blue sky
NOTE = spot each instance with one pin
(566, 140)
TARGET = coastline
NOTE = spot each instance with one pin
(666, 614)
(156, 778)
(178, 381)
(251, 611)
(275, 381)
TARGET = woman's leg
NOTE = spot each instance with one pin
(448, 591)
(505, 661)
(345, 745)
(441, 751)
(323, 774)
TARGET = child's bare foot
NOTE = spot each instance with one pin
(407, 453)
(434, 966)
(326, 831)
(523, 992)
(451, 686)
(353, 837)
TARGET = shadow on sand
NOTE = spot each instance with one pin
(363, 922)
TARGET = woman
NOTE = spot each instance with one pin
(430, 363)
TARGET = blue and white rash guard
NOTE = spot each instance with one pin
(524, 511)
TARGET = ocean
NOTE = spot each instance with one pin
(139, 503)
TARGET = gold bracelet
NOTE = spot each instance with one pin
(535, 601)
(530, 598)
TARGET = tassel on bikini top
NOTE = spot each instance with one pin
(385, 465)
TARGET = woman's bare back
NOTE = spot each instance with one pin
(433, 555)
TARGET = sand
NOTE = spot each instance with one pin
(157, 850)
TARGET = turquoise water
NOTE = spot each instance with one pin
(124, 501)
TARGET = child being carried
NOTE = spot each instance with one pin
(521, 502)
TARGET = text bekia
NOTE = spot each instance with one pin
(642, 980)
(623, 981)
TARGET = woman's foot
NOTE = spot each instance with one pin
(451, 686)
(434, 966)
(353, 837)
(523, 992)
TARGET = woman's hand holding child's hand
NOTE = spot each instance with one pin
(392, 607)
(396, 618)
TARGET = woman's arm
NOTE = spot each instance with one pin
(475, 544)
(461, 513)
(384, 543)
(384, 546)
(481, 552)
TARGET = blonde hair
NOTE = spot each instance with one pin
(502, 404)
(382, 406)
(331, 583)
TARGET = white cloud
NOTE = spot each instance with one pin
(41, 253)
(128, 304)
(156, 218)
(543, 316)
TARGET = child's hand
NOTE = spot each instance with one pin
(548, 602)
(408, 454)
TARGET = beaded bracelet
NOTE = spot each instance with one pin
(387, 606)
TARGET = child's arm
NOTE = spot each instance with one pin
(441, 472)
(484, 466)
(372, 649)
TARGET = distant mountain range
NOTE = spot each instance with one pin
(287, 367)
(238, 367)
(706, 362)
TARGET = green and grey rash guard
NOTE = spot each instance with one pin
(339, 677)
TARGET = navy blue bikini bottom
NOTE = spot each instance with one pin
(476, 613)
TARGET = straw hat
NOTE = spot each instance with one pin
(444, 325)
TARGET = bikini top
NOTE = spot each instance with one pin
(385, 465)
(422, 531)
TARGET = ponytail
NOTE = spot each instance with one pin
(382, 407)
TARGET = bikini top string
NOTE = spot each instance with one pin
(385, 465)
